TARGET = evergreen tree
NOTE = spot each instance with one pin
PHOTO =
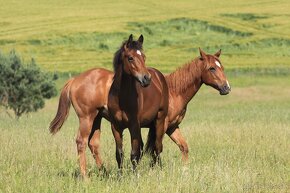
(23, 87)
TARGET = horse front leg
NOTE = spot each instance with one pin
(136, 144)
(118, 135)
(177, 137)
(160, 125)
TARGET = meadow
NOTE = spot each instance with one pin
(238, 143)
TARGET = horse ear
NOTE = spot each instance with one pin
(202, 54)
(141, 39)
(218, 53)
(130, 39)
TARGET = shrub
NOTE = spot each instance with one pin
(23, 87)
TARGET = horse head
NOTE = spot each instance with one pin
(134, 61)
(213, 72)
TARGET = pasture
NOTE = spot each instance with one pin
(238, 143)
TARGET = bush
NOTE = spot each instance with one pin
(23, 87)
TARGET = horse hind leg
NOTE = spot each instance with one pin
(94, 141)
(150, 144)
(82, 141)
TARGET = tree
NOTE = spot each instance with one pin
(23, 87)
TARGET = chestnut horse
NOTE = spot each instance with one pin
(183, 84)
(138, 98)
(88, 93)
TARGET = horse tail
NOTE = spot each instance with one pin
(151, 138)
(63, 108)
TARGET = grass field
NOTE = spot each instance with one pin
(77, 35)
(238, 143)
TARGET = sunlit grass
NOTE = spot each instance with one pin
(238, 143)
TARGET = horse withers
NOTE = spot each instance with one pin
(137, 98)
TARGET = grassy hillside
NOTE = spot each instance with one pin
(77, 35)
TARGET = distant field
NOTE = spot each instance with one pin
(74, 36)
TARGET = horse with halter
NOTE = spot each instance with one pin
(138, 98)
(88, 93)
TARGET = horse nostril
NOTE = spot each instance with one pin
(226, 88)
(147, 78)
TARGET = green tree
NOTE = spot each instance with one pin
(23, 87)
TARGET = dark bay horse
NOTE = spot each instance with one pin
(137, 98)
(183, 84)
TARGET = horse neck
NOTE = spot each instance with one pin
(122, 82)
(185, 82)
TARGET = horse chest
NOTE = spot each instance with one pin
(122, 113)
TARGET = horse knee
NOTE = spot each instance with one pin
(81, 144)
(94, 145)
(183, 148)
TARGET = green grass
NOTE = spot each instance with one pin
(238, 143)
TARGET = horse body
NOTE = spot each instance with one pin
(183, 84)
(137, 102)
(137, 98)
(88, 93)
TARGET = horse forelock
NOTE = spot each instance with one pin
(136, 45)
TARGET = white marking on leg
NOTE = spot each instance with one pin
(138, 52)
(217, 63)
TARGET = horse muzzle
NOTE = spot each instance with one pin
(225, 89)
(145, 80)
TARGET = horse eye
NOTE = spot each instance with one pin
(130, 58)
(212, 69)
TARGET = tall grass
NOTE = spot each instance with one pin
(238, 143)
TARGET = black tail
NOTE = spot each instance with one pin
(151, 138)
